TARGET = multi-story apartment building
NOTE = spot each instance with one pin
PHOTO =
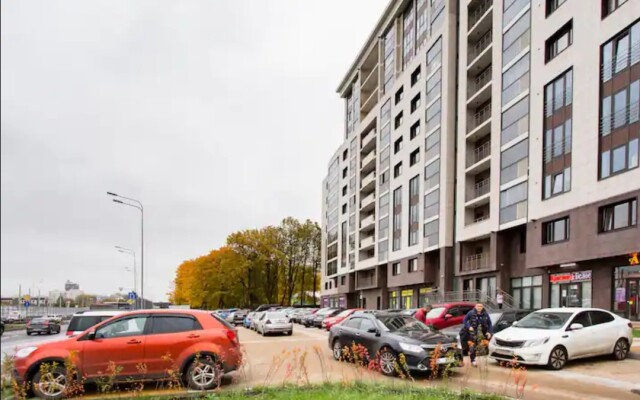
(467, 176)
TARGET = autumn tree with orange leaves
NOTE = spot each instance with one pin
(274, 264)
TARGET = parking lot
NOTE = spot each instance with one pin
(594, 378)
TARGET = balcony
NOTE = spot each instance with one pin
(479, 159)
(367, 242)
(479, 123)
(368, 141)
(479, 89)
(368, 223)
(479, 194)
(480, 19)
(479, 55)
(475, 262)
(366, 279)
(369, 202)
(368, 184)
(368, 163)
(369, 103)
(620, 62)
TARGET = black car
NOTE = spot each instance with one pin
(320, 315)
(500, 320)
(318, 318)
(387, 335)
(42, 325)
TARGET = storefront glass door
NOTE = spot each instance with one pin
(571, 295)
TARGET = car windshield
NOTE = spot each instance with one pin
(401, 323)
(495, 316)
(345, 313)
(276, 315)
(82, 323)
(544, 320)
(435, 313)
(38, 320)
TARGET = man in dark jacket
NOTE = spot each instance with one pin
(477, 324)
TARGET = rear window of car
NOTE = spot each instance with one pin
(39, 320)
(81, 323)
(276, 315)
(174, 324)
(222, 321)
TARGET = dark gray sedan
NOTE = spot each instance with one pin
(42, 325)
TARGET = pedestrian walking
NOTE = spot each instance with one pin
(421, 314)
(477, 324)
(500, 299)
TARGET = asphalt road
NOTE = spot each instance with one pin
(12, 340)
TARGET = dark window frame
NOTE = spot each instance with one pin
(416, 75)
(550, 53)
(414, 157)
(552, 5)
(414, 131)
(605, 7)
(549, 231)
(632, 208)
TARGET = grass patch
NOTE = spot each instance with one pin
(329, 391)
(636, 333)
(14, 327)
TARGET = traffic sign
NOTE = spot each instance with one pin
(27, 304)
(133, 295)
(27, 297)
(130, 301)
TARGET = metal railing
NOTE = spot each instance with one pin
(480, 117)
(479, 82)
(480, 45)
(557, 150)
(620, 118)
(479, 189)
(620, 62)
(475, 262)
(476, 14)
(481, 218)
(479, 153)
(488, 298)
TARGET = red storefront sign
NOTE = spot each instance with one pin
(569, 277)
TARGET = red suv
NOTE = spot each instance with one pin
(143, 345)
(448, 314)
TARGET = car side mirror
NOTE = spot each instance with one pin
(514, 323)
(576, 327)
(447, 316)
(91, 335)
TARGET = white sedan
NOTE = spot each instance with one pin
(274, 322)
(554, 336)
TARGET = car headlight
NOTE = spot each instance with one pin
(25, 351)
(411, 348)
(536, 342)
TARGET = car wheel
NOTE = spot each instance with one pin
(621, 349)
(50, 383)
(337, 350)
(49, 331)
(28, 333)
(204, 374)
(290, 333)
(557, 358)
(387, 361)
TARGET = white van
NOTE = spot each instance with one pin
(84, 320)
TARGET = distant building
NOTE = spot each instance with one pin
(68, 286)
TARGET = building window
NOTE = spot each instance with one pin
(397, 221)
(344, 190)
(413, 265)
(415, 103)
(555, 231)
(558, 183)
(431, 204)
(345, 171)
(431, 232)
(415, 76)
(345, 154)
(398, 121)
(414, 201)
(395, 269)
(560, 40)
(344, 208)
(431, 145)
(553, 5)
(609, 6)
(432, 174)
(414, 157)
(433, 115)
(399, 95)
(414, 131)
(618, 216)
(620, 159)
(397, 170)
(570, 289)
(527, 292)
(434, 86)
(397, 146)
(343, 280)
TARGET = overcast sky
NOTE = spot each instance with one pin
(217, 115)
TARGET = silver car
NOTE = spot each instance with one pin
(274, 322)
(254, 321)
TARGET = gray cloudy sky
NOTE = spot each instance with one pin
(217, 115)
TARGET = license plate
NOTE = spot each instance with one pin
(506, 352)
(443, 360)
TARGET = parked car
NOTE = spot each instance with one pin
(254, 320)
(448, 314)
(319, 317)
(335, 320)
(1, 328)
(55, 317)
(247, 320)
(84, 320)
(274, 322)
(265, 307)
(307, 321)
(554, 336)
(500, 320)
(236, 317)
(298, 316)
(387, 335)
(42, 325)
(202, 345)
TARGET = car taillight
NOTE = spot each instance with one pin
(69, 333)
(232, 336)
(46, 323)
(268, 322)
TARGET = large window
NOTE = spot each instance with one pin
(511, 10)
(515, 80)
(516, 39)
(431, 145)
(431, 230)
(621, 108)
(389, 59)
(432, 175)
(557, 183)
(434, 56)
(408, 34)
(431, 204)
(414, 211)
(515, 121)
(527, 292)
(621, 52)
(397, 222)
(619, 159)
(513, 203)
(514, 162)
(619, 215)
(555, 231)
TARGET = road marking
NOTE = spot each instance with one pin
(612, 383)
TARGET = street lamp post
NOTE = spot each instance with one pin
(136, 204)
(135, 273)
